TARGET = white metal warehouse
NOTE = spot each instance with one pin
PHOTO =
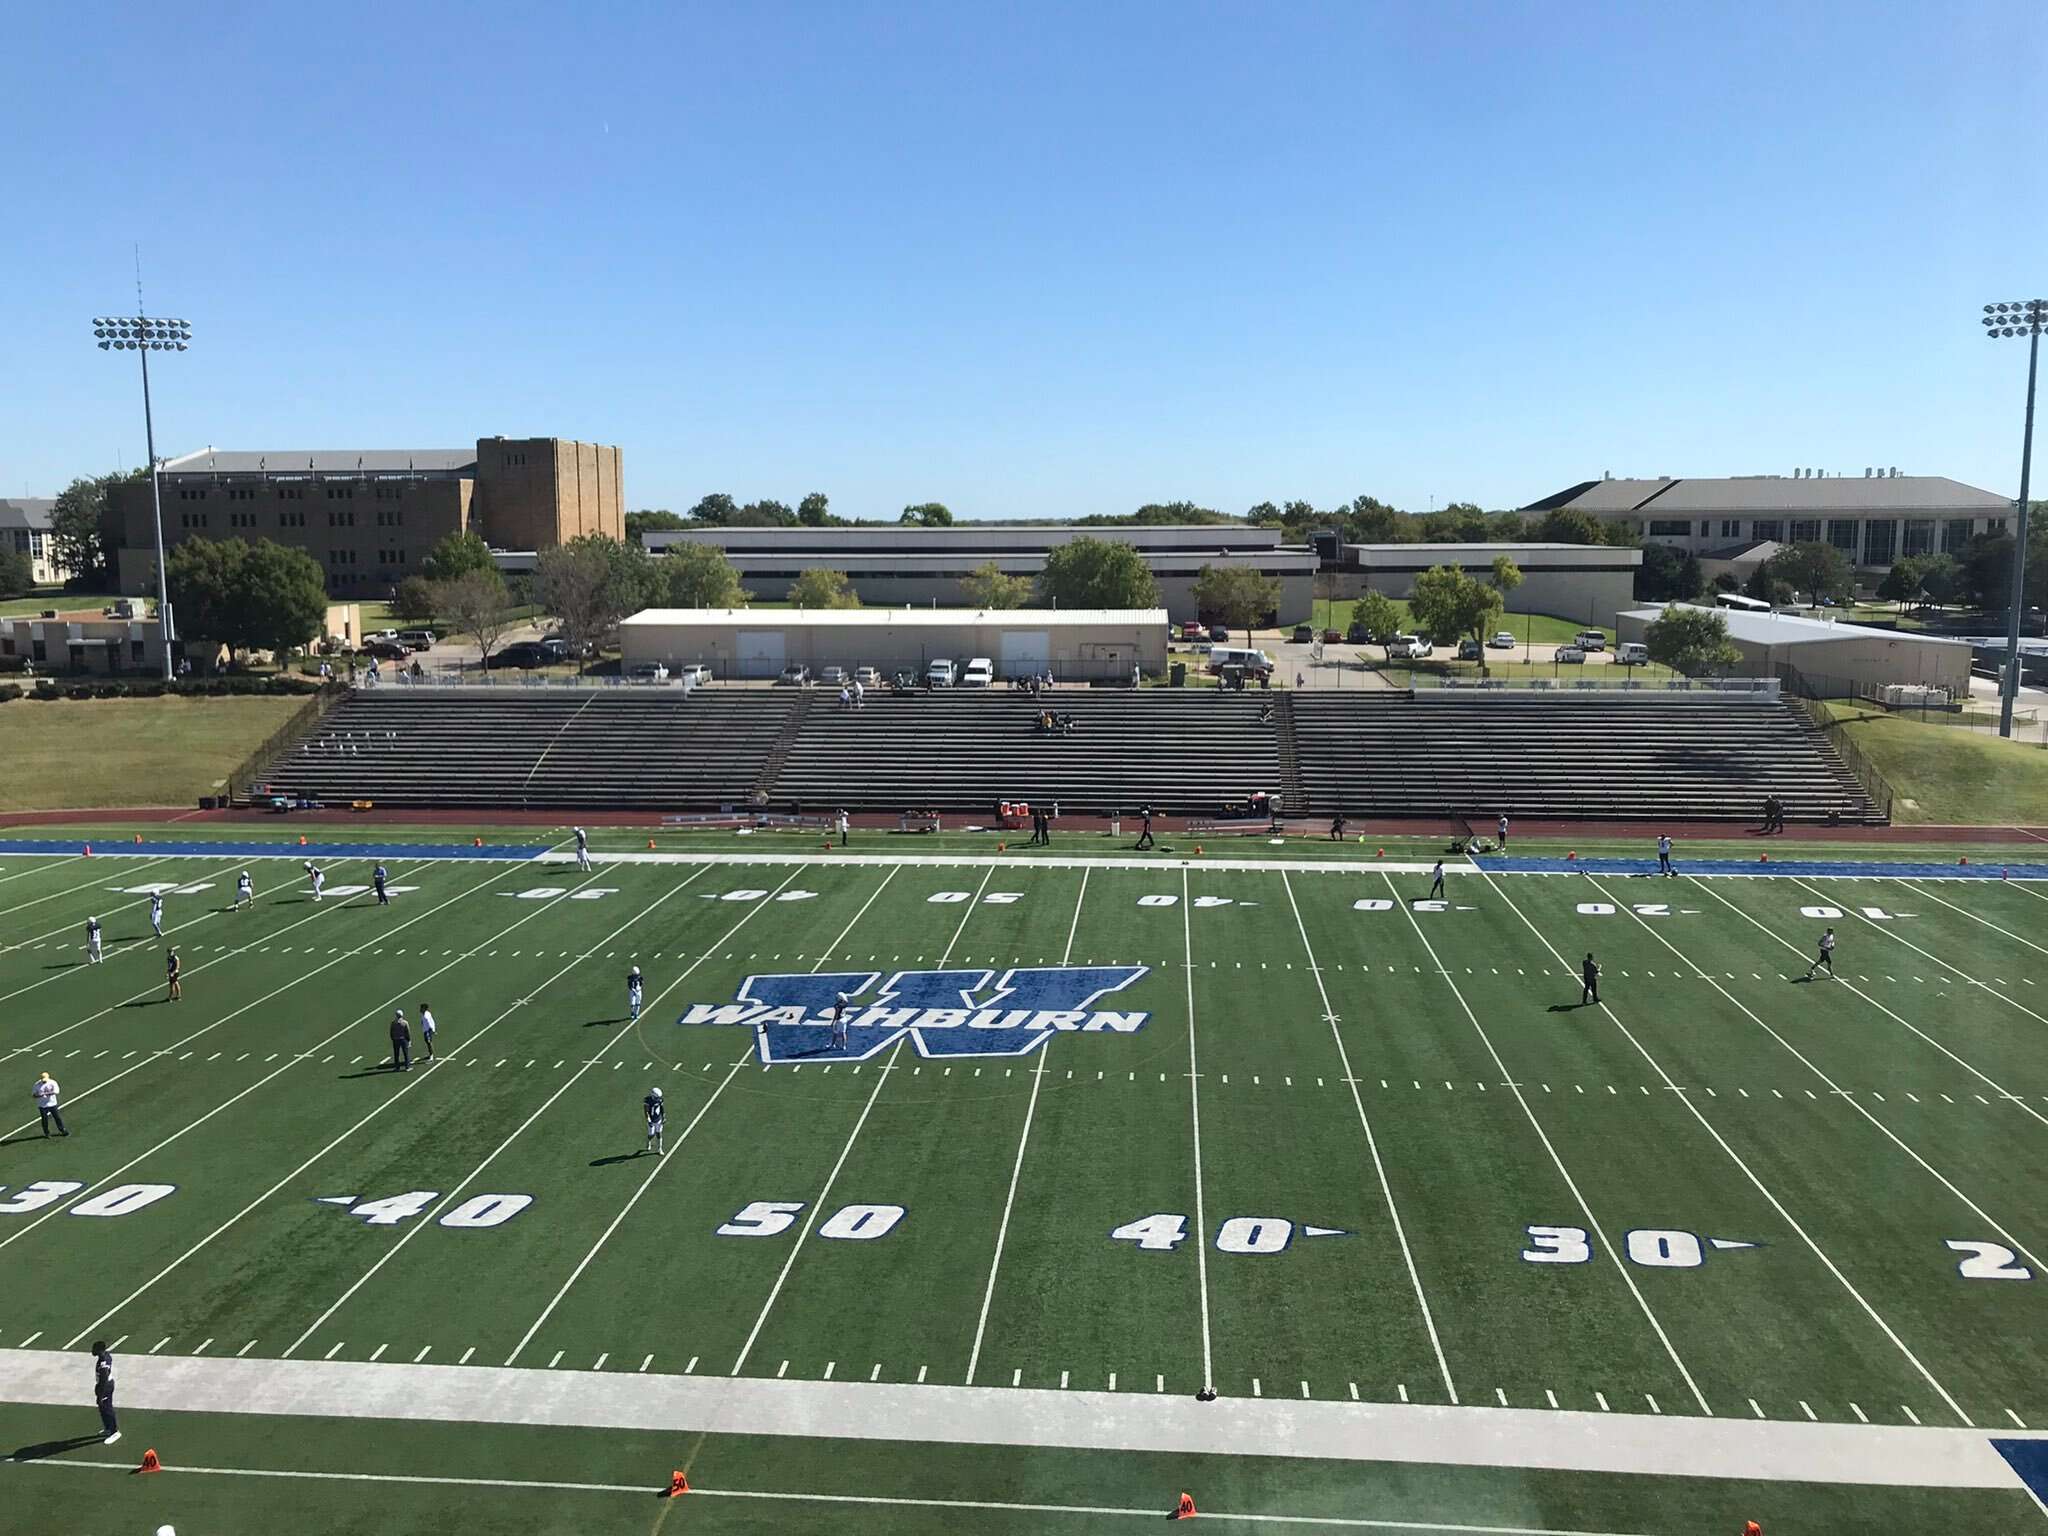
(1077, 644)
(1835, 659)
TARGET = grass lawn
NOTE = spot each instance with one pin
(63, 602)
(1944, 773)
(1529, 628)
(90, 752)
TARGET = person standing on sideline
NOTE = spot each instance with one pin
(1503, 827)
(377, 878)
(841, 824)
(46, 1096)
(582, 850)
(1050, 817)
(656, 1113)
(634, 988)
(156, 913)
(1144, 826)
(1436, 881)
(1337, 828)
(103, 1391)
(401, 1042)
(1664, 856)
(427, 1028)
(245, 890)
(92, 941)
(171, 975)
(839, 1007)
(1826, 957)
(1589, 980)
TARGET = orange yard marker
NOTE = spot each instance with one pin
(150, 1463)
(650, 844)
(1185, 1509)
(88, 850)
(678, 1485)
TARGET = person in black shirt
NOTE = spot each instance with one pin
(1145, 826)
(1589, 980)
(103, 1390)
(171, 974)
(1337, 828)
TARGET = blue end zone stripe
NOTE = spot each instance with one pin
(1685, 866)
(226, 850)
(2029, 1458)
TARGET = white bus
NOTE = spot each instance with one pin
(1737, 600)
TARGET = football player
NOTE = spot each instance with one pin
(655, 1110)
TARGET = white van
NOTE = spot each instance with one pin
(939, 674)
(1632, 653)
(980, 673)
(1255, 663)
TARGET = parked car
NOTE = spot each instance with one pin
(867, 677)
(1632, 653)
(1304, 634)
(1470, 650)
(980, 673)
(416, 639)
(1570, 653)
(120, 608)
(1409, 648)
(939, 674)
(696, 675)
(1331, 637)
(1193, 630)
(649, 672)
(381, 634)
(1358, 634)
(1219, 634)
(1252, 663)
(795, 675)
(524, 654)
(386, 650)
(833, 677)
(1590, 640)
(1502, 641)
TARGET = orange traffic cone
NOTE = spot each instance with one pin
(1002, 847)
(302, 839)
(650, 845)
(1964, 859)
(1381, 854)
(1185, 1509)
(1573, 854)
(479, 842)
(150, 1463)
(1198, 850)
(138, 839)
(678, 1484)
(88, 850)
(1763, 858)
(1751, 1528)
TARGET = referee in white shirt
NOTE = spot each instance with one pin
(47, 1095)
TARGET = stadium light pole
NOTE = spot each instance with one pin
(143, 335)
(2027, 318)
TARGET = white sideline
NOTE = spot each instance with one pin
(1669, 1445)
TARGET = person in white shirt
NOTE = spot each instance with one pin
(245, 890)
(46, 1096)
(657, 1115)
(427, 1029)
(840, 824)
(1436, 882)
(860, 693)
(582, 849)
(156, 912)
(1664, 857)
(92, 941)
(1503, 833)
(633, 994)
(317, 876)
(1826, 957)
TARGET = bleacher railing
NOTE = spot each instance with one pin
(1806, 694)
(301, 720)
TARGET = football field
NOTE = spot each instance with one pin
(1102, 1136)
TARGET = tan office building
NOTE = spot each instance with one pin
(370, 517)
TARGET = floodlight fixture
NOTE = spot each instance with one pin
(2028, 318)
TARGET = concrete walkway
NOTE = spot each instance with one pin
(1676, 1446)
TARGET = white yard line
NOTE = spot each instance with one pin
(98, 878)
(1733, 1155)
(1740, 1448)
(23, 874)
(859, 1500)
(453, 1195)
(817, 1205)
(704, 1109)
(1371, 1143)
(1023, 1140)
(151, 1057)
(1612, 1251)
(1843, 981)
(1187, 934)
(1975, 917)
(393, 1001)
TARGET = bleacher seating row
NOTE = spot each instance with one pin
(1589, 756)
(1580, 756)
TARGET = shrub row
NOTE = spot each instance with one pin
(155, 687)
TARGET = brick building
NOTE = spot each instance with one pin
(371, 517)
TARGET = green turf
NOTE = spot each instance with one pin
(1850, 1128)
(101, 752)
(1947, 774)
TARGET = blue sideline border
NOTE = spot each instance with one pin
(1992, 870)
(2028, 1458)
(156, 848)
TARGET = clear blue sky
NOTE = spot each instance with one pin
(1036, 260)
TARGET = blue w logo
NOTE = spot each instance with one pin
(944, 1012)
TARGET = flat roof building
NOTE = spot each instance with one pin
(25, 529)
(1835, 660)
(1876, 519)
(1589, 583)
(896, 564)
(370, 516)
(1074, 644)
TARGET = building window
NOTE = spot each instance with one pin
(191, 493)
(1919, 536)
(1994, 525)
(390, 492)
(1767, 528)
(192, 519)
(135, 652)
(341, 492)
(1955, 536)
(392, 518)
(291, 519)
(291, 493)
(1670, 528)
(1843, 534)
(1805, 530)
(391, 557)
(241, 493)
(241, 519)
(1731, 527)
(341, 519)
(1880, 541)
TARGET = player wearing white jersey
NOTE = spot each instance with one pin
(245, 890)
(656, 1121)
(582, 849)
(92, 941)
(1826, 957)
(634, 992)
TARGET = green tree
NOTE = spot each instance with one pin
(660, 521)
(717, 509)
(1235, 595)
(1506, 576)
(766, 513)
(986, 586)
(1376, 615)
(1692, 641)
(814, 511)
(927, 514)
(820, 588)
(1097, 573)
(458, 552)
(590, 583)
(476, 604)
(1813, 571)
(1941, 578)
(1506, 527)
(1987, 569)
(17, 573)
(1372, 521)
(1901, 583)
(1726, 582)
(1566, 525)
(1449, 605)
(259, 596)
(1768, 586)
(80, 527)
(1668, 575)
(693, 575)
(415, 600)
